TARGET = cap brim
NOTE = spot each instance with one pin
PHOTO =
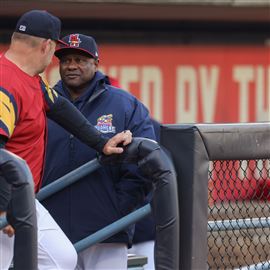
(59, 41)
(59, 52)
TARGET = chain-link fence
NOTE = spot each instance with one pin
(238, 213)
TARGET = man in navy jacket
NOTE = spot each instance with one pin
(110, 192)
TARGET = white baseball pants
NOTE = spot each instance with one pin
(103, 256)
(55, 251)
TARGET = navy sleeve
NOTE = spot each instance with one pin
(5, 187)
(5, 193)
(70, 118)
(3, 141)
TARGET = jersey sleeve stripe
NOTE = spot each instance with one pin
(50, 94)
(12, 100)
(3, 129)
(7, 111)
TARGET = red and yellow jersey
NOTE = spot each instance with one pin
(24, 100)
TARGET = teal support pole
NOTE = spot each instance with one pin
(3, 222)
(68, 179)
(113, 228)
(61, 183)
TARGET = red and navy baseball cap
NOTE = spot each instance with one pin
(78, 42)
(40, 23)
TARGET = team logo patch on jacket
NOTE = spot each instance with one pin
(104, 124)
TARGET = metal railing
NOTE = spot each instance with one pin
(102, 234)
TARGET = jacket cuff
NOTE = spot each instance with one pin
(100, 145)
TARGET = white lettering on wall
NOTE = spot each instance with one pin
(149, 80)
(186, 94)
(128, 75)
(189, 82)
(208, 84)
(112, 72)
(243, 75)
(194, 84)
(262, 81)
(151, 88)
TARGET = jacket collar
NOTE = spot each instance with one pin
(96, 85)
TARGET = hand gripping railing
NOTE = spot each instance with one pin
(21, 211)
(154, 164)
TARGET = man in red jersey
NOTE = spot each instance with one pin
(25, 101)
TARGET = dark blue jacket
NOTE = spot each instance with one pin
(110, 192)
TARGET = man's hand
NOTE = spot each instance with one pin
(9, 230)
(124, 138)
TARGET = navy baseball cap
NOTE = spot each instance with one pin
(39, 23)
(78, 42)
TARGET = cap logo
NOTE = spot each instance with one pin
(74, 40)
(22, 28)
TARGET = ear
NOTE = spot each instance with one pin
(45, 46)
(96, 64)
